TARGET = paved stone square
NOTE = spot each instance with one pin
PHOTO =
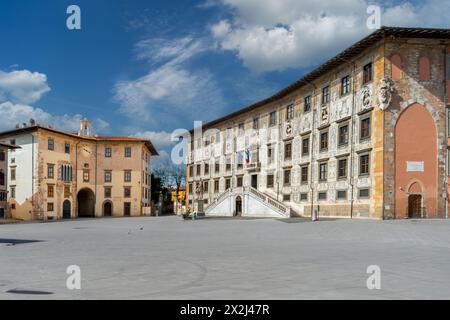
(167, 258)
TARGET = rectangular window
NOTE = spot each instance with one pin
(66, 173)
(67, 148)
(108, 176)
(50, 191)
(2, 156)
(240, 160)
(13, 174)
(51, 144)
(66, 191)
(272, 118)
(326, 95)
(127, 152)
(127, 176)
(2, 178)
(345, 85)
(303, 197)
(304, 175)
(217, 166)
(290, 112)
(240, 182)
(108, 152)
(206, 168)
(270, 154)
(286, 197)
(13, 192)
(323, 171)
(216, 186)
(199, 170)
(206, 187)
(50, 171)
(227, 184)
(364, 165)
(85, 175)
(107, 192)
(343, 135)
(322, 196)
(364, 193)
(288, 151)
(305, 147)
(228, 164)
(127, 192)
(241, 128)
(191, 170)
(255, 123)
(190, 187)
(342, 168)
(307, 104)
(270, 181)
(365, 129)
(341, 195)
(324, 141)
(287, 177)
(50, 207)
(367, 73)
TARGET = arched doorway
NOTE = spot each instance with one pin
(238, 210)
(107, 209)
(415, 209)
(67, 209)
(86, 203)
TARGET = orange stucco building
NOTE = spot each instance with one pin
(62, 175)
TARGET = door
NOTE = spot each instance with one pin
(238, 206)
(67, 212)
(415, 206)
(127, 209)
(107, 209)
(255, 181)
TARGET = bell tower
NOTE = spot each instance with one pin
(85, 128)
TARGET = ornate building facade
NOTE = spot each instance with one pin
(363, 135)
(62, 175)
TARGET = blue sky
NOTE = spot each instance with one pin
(145, 68)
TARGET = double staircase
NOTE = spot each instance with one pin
(254, 203)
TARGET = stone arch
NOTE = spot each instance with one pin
(416, 160)
(238, 209)
(86, 203)
(415, 187)
(396, 67)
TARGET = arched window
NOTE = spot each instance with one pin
(424, 69)
(396, 67)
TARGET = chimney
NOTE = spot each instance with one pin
(85, 128)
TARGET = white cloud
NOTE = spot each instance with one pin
(20, 89)
(171, 90)
(270, 35)
(22, 86)
(160, 139)
(12, 114)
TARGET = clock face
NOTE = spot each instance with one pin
(86, 151)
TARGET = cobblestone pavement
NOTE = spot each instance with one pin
(167, 258)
